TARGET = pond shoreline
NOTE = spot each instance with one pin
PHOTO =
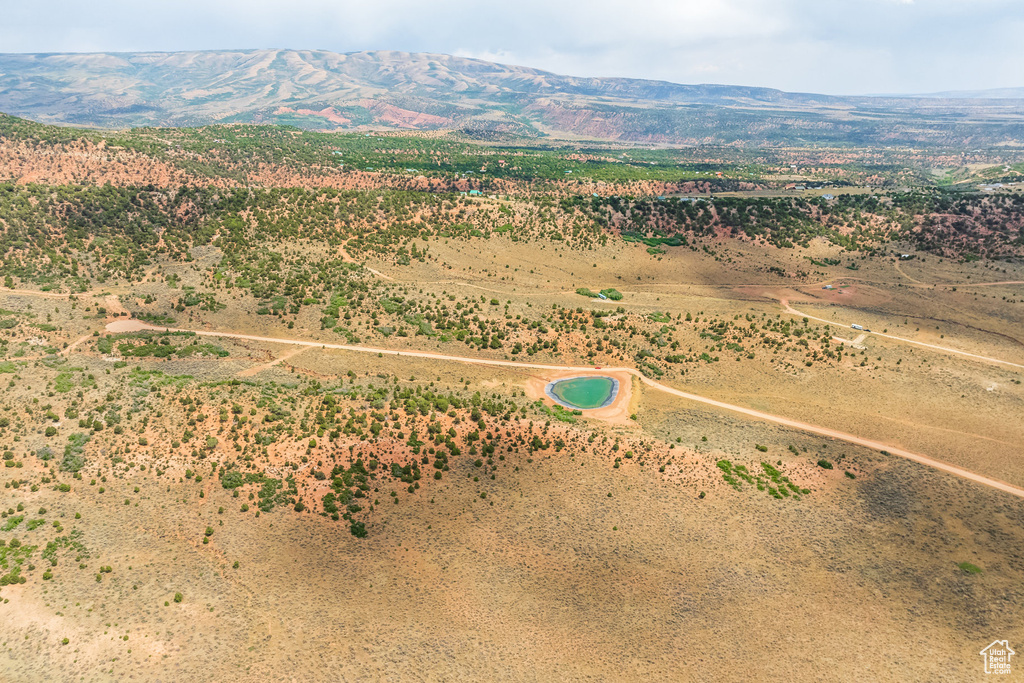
(549, 389)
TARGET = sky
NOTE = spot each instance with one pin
(840, 47)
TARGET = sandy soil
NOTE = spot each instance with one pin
(585, 553)
(290, 353)
(450, 587)
(946, 349)
(617, 412)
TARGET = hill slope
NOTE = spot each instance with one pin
(325, 90)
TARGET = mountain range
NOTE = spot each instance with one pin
(397, 90)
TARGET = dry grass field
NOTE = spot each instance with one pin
(580, 563)
(274, 409)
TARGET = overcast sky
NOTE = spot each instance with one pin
(829, 46)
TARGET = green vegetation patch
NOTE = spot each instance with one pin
(272, 492)
(73, 459)
(72, 541)
(770, 480)
(12, 556)
(613, 294)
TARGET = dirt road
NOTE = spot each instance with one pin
(72, 345)
(792, 311)
(135, 325)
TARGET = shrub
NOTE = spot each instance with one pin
(232, 479)
(178, 597)
(330, 504)
(613, 294)
(968, 568)
(824, 464)
(358, 529)
(73, 460)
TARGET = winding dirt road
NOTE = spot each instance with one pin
(792, 311)
(132, 325)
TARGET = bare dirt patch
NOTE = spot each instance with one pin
(617, 412)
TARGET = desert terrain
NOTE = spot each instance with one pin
(298, 431)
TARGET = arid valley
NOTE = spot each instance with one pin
(282, 404)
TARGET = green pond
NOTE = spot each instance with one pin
(583, 393)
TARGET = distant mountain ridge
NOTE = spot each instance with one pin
(364, 90)
(990, 94)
